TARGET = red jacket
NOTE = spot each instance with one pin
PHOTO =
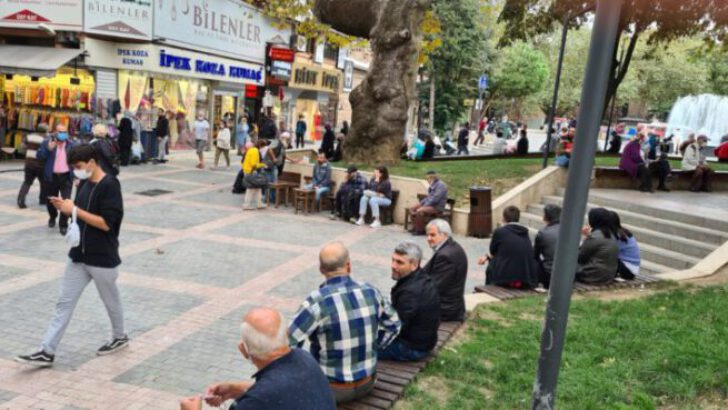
(722, 151)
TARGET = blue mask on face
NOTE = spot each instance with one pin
(62, 136)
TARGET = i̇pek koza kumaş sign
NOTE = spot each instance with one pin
(224, 27)
(169, 60)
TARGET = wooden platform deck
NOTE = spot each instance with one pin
(393, 377)
(502, 293)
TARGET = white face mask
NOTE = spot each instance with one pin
(82, 174)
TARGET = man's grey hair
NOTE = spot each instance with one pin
(442, 226)
(335, 264)
(411, 250)
(260, 345)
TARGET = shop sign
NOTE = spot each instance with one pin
(119, 18)
(348, 76)
(227, 27)
(57, 15)
(312, 77)
(168, 60)
(282, 54)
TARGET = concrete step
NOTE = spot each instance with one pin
(656, 223)
(659, 239)
(645, 209)
(648, 265)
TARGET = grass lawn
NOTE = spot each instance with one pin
(668, 351)
(500, 174)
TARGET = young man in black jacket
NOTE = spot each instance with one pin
(99, 209)
(415, 299)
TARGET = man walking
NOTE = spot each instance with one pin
(202, 134)
(300, 131)
(162, 134)
(57, 173)
(33, 166)
(95, 257)
(463, 139)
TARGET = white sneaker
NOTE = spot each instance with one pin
(360, 221)
(376, 224)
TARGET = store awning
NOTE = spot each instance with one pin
(35, 61)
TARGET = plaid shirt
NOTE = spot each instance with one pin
(345, 321)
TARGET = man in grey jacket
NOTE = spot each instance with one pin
(431, 205)
(545, 243)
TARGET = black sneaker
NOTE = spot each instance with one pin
(113, 346)
(40, 359)
(63, 230)
(52, 223)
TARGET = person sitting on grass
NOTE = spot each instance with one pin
(378, 193)
(415, 299)
(629, 250)
(431, 205)
(599, 252)
(264, 342)
(511, 261)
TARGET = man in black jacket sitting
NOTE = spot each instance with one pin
(448, 269)
(417, 304)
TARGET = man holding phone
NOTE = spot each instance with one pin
(57, 173)
(99, 209)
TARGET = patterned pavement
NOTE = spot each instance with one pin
(193, 263)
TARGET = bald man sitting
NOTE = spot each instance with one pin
(286, 378)
(346, 322)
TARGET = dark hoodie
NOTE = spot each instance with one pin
(513, 258)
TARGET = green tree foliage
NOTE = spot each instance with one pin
(521, 72)
(462, 55)
(662, 21)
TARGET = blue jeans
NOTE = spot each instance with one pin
(375, 202)
(400, 352)
(272, 175)
(320, 191)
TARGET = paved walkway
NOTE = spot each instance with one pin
(193, 263)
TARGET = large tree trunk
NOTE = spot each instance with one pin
(380, 103)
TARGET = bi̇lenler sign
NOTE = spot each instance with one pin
(225, 27)
(119, 18)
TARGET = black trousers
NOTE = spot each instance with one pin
(61, 186)
(299, 141)
(645, 178)
(31, 174)
(124, 154)
(624, 272)
(661, 169)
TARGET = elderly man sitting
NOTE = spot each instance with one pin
(694, 159)
(448, 269)
(345, 322)
(431, 205)
(281, 369)
(417, 304)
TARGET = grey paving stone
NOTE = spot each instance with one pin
(189, 366)
(209, 263)
(306, 231)
(203, 176)
(28, 313)
(222, 196)
(9, 219)
(163, 215)
(9, 272)
(140, 184)
(6, 396)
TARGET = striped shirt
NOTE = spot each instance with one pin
(346, 322)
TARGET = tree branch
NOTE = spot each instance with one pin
(352, 17)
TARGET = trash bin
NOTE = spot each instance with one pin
(480, 220)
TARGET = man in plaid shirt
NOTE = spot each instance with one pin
(346, 322)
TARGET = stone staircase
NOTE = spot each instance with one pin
(669, 240)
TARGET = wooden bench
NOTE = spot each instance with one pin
(503, 293)
(386, 213)
(616, 178)
(328, 199)
(393, 377)
(287, 182)
(446, 214)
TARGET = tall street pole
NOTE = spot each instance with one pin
(601, 52)
(557, 83)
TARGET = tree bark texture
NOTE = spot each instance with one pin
(381, 102)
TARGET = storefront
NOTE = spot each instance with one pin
(150, 77)
(43, 85)
(313, 92)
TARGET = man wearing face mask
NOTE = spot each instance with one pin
(99, 210)
(694, 160)
(57, 173)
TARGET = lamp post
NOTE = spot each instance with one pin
(601, 51)
(557, 83)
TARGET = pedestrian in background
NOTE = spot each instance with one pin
(33, 166)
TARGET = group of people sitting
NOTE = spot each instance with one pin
(608, 250)
(641, 159)
(328, 353)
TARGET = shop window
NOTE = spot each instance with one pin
(331, 52)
